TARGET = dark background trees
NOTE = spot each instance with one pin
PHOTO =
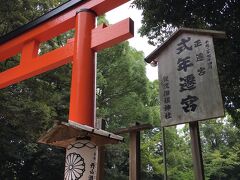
(124, 96)
(30, 108)
(162, 17)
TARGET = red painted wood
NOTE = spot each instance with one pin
(55, 26)
(31, 64)
(29, 51)
(80, 51)
(104, 37)
(83, 72)
(37, 66)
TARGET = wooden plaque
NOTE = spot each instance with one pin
(189, 85)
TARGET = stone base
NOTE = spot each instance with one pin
(63, 134)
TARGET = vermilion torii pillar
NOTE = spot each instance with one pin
(83, 71)
(80, 15)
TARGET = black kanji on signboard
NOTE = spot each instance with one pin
(201, 71)
(197, 43)
(188, 103)
(187, 83)
(183, 45)
(184, 63)
(200, 57)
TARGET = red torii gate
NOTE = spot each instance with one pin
(80, 51)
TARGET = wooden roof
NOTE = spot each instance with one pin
(216, 34)
(138, 127)
(63, 134)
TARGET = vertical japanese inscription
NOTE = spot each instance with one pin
(209, 55)
(92, 168)
(166, 97)
(189, 82)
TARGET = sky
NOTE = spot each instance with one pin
(139, 43)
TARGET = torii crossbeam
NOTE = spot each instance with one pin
(80, 51)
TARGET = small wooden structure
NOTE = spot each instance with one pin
(63, 134)
(189, 85)
(83, 145)
(134, 149)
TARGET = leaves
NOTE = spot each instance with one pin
(29, 108)
(162, 17)
(124, 96)
(121, 86)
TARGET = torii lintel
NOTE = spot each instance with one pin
(31, 64)
(28, 42)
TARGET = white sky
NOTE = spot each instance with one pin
(139, 43)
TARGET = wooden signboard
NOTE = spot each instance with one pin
(189, 85)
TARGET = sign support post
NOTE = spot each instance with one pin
(196, 151)
(164, 153)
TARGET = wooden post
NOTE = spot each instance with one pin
(134, 156)
(164, 154)
(100, 152)
(196, 151)
(134, 149)
(100, 162)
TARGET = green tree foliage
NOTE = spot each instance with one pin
(178, 160)
(122, 87)
(15, 13)
(221, 149)
(151, 153)
(161, 17)
(220, 146)
(178, 154)
(124, 96)
(29, 108)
